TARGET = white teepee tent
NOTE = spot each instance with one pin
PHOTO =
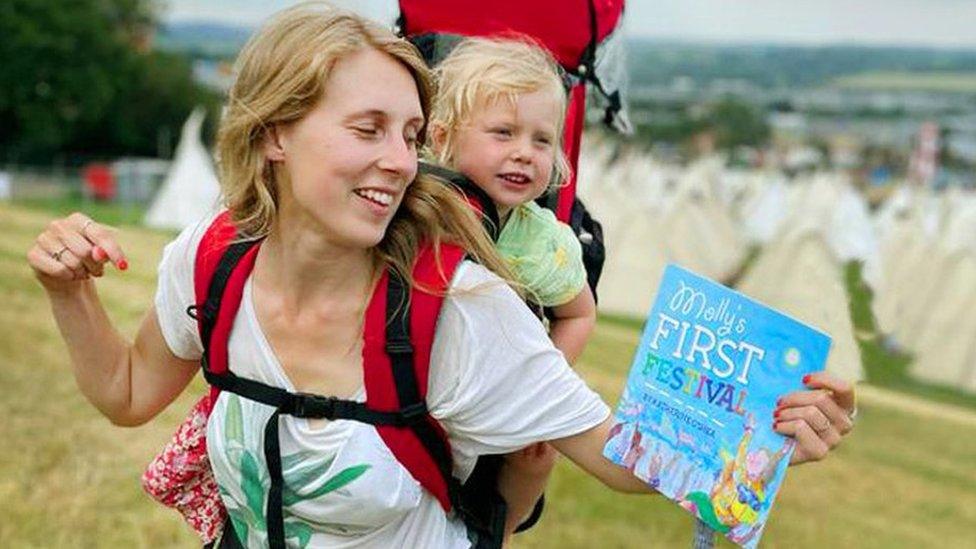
(799, 273)
(190, 191)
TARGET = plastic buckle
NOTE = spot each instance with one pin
(308, 405)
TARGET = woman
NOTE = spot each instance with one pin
(318, 157)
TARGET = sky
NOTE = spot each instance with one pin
(940, 23)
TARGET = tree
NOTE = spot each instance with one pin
(76, 79)
(737, 124)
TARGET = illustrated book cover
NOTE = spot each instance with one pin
(695, 420)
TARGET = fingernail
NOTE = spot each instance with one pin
(779, 402)
(806, 379)
(776, 413)
(775, 423)
(123, 264)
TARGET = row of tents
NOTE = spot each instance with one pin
(786, 242)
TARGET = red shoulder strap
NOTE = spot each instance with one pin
(214, 244)
(381, 390)
(432, 274)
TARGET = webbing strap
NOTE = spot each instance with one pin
(215, 292)
(312, 406)
(489, 526)
(274, 513)
(305, 405)
(490, 219)
(400, 351)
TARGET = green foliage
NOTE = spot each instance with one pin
(74, 80)
(771, 66)
(736, 124)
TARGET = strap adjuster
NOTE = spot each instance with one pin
(308, 405)
(398, 347)
(414, 412)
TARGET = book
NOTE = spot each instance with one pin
(695, 420)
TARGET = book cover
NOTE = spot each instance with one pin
(695, 420)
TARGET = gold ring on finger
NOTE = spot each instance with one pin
(57, 255)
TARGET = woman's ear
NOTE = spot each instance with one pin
(272, 145)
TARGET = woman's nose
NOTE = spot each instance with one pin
(399, 156)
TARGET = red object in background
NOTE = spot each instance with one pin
(563, 26)
(99, 181)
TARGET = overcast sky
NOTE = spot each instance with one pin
(944, 23)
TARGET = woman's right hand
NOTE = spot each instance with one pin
(71, 250)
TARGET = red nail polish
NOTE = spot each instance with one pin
(123, 264)
(775, 423)
(776, 413)
(806, 379)
(779, 402)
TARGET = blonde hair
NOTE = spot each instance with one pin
(281, 73)
(485, 70)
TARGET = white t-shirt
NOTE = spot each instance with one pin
(496, 385)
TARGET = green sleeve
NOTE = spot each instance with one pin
(544, 254)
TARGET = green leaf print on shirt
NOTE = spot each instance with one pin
(342, 478)
(254, 480)
(233, 421)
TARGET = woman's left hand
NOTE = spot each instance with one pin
(818, 418)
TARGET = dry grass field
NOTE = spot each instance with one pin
(70, 479)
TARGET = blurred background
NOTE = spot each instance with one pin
(819, 156)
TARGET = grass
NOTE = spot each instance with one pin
(884, 366)
(70, 479)
(110, 213)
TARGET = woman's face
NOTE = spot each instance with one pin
(349, 160)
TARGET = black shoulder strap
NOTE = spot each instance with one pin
(215, 292)
(487, 521)
(400, 350)
(489, 213)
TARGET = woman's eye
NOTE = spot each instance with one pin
(366, 131)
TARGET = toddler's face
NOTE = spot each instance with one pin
(508, 149)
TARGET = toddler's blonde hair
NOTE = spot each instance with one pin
(481, 71)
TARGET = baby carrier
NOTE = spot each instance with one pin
(398, 334)
(582, 35)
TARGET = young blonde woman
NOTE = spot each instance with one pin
(318, 159)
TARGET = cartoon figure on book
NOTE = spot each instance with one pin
(364, 340)
(739, 493)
